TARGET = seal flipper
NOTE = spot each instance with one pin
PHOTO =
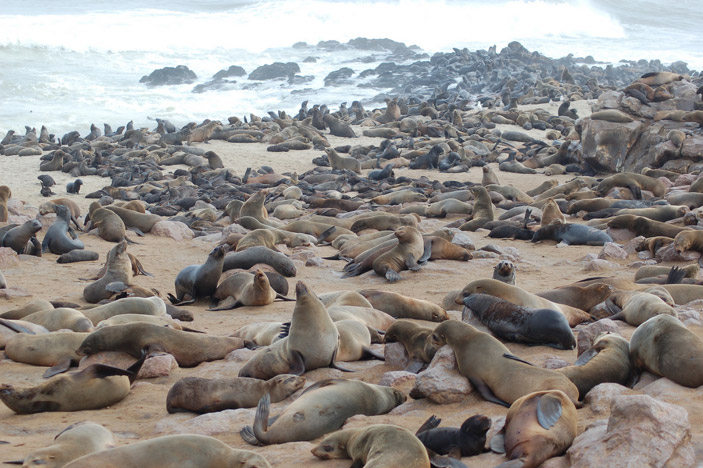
(498, 441)
(138, 264)
(137, 231)
(368, 353)
(426, 253)
(438, 461)
(227, 304)
(137, 366)
(586, 356)
(333, 365)
(515, 358)
(62, 366)
(548, 411)
(414, 366)
(675, 276)
(116, 287)
(256, 435)
(297, 363)
(411, 263)
(326, 233)
(16, 327)
(392, 275)
(431, 423)
(487, 394)
(284, 298)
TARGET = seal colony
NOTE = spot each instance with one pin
(320, 206)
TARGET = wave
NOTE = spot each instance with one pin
(258, 26)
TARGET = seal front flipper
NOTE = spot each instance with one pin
(586, 356)
(439, 461)
(368, 353)
(426, 253)
(284, 298)
(227, 304)
(486, 392)
(392, 275)
(414, 366)
(297, 363)
(62, 366)
(411, 263)
(548, 411)
(16, 327)
(261, 419)
(515, 358)
(333, 365)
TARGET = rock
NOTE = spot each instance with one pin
(234, 228)
(159, 365)
(227, 421)
(600, 397)
(606, 144)
(620, 235)
(8, 258)
(275, 70)
(669, 254)
(395, 355)
(174, 229)
(217, 84)
(690, 314)
(441, 382)
(484, 254)
(632, 246)
(598, 265)
(339, 77)
(641, 431)
(669, 391)
(233, 70)
(403, 381)
(553, 362)
(169, 76)
(685, 179)
(240, 355)
(587, 333)
(612, 250)
(314, 261)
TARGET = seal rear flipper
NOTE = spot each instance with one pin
(368, 353)
(137, 231)
(675, 276)
(614, 310)
(296, 363)
(261, 419)
(130, 241)
(325, 234)
(548, 411)
(285, 329)
(248, 436)
(334, 365)
(138, 264)
(16, 327)
(414, 366)
(498, 441)
(516, 358)
(486, 392)
(12, 462)
(431, 423)
(136, 367)
(62, 366)
(439, 461)
(586, 356)
(227, 304)
(100, 371)
(284, 298)
(392, 275)
(636, 191)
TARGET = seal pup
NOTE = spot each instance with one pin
(407, 254)
(538, 426)
(504, 271)
(245, 289)
(379, 445)
(18, 237)
(189, 349)
(607, 360)
(520, 324)
(73, 442)
(311, 343)
(5, 194)
(465, 441)
(198, 281)
(482, 211)
(57, 239)
(210, 395)
(170, 451)
(95, 387)
(118, 269)
(492, 370)
(322, 408)
(74, 187)
(664, 346)
(399, 306)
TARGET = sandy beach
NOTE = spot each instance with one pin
(142, 415)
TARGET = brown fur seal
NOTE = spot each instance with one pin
(400, 306)
(580, 297)
(311, 343)
(442, 249)
(403, 256)
(245, 289)
(198, 281)
(173, 450)
(209, 395)
(134, 219)
(611, 115)
(648, 271)
(633, 181)
(664, 346)
(399, 197)
(340, 163)
(189, 349)
(338, 127)
(607, 360)
(538, 426)
(57, 350)
(519, 296)
(499, 379)
(355, 341)
(482, 211)
(95, 387)
(78, 256)
(60, 319)
(204, 132)
(646, 227)
(417, 341)
(48, 207)
(378, 445)
(55, 163)
(489, 177)
(119, 268)
(73, 442)
(660, 78)
(321, 409)
(551, 214)
(18, 237)
(688, 240)
(635, 308)
(384, 222)
(254, 255)
(466, 441)
(521, 324)
(504, 271)
(110, 226)
(153, 306)
(5, 194)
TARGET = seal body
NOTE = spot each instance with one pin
(466, 441)
(57, 239)
(118, 268)
(400, 306)
(17, 237)
(572, 234)
(73, 442)
(198, 281)
(403, 256)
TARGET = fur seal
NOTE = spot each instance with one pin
(635, 308)
(57, 239)
(690, 271)
(538, 426)
(580, 297)
(322, 408)
(400, 306)
(198, 281)
(250, 257)
(504, 271)
(519, 296)
(153, 306)
(18, 237)
(110, 226)
(189, 349)
(311, 343)
(5, 194)
(572, 234)
(74, 187)
(405, 255)
(210, 395)
(73, 442)
(687, 240)
(664, 346)
(135, 219)
(482, 359)
(482, 211)
(660, 78)
(338, 127)
(520, 324)
(646, 227)
(634, 182)
(489, 177)
(173, 450)
(57, 350)
(78, 256)
(355, 341)
(60, 319)
(417, 341)
(118, 268)
(551, 214)
(607, 360)
(245, 289)
(379, 445)
(465, 441)
(95, 387)
(340, 163)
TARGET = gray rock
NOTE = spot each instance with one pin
(600, 397)
(169, 76)
(587, 333)
(174, 229)
(612, 250)
(395, 355)
(275, 70)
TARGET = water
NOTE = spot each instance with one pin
(68, 67)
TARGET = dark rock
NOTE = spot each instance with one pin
(339, 77)
(234, 70)
(169, 76)
(275, 70)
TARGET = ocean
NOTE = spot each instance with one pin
(69, 64)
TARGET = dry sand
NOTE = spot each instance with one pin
(138, 417)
